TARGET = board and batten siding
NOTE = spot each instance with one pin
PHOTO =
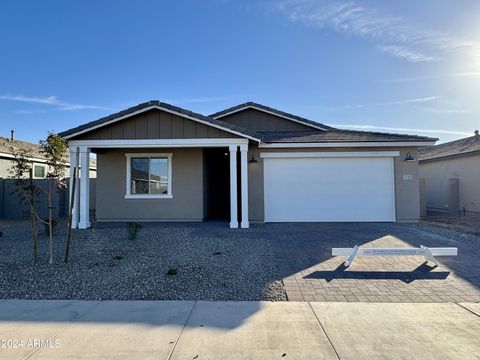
(155, 124)
(256, 120)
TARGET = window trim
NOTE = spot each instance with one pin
(44, 171)
(129, 156)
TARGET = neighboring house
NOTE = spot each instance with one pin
(8, 145)
(158, 162)
(452, 175)
(10, 206)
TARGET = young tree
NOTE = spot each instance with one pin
(70, 215)
(54, 148)
(26, 190)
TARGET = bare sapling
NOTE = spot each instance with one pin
(70, 215)
(54, 148)
(26, 190)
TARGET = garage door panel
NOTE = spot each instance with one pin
(329, 189)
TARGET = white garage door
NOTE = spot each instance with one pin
(329, 189)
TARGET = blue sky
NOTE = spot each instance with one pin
(396, 66)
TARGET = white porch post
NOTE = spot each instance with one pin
(84, 188)
(244, 184)
(74, 164)
(233, 187)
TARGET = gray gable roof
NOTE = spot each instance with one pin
(330, 134)
(337, 135)
(105, 120)
(466, 146)
(251, 104)
(319, 133)
(8, 147)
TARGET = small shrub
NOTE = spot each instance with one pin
(133, 229)
(172, 272)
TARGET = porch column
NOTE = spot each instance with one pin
(74, 164)
(84, 188)
(244, 184)
(233, 187)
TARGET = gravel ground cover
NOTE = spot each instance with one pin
(468, 223)
(211, 262)
(450, 233)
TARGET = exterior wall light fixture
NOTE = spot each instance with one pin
(409, 157)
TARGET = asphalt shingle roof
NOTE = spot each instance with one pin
(8, 147)
(336, 135)
(464, 146)
(330, 134)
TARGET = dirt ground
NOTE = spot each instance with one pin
(469, 223)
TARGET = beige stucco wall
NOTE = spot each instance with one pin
(437, 174)
(187, 188)
(187, 203)
(407, 192)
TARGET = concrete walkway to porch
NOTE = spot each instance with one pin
(237, 330)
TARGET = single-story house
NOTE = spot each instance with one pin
(451, 172)
(8, 145)
(248, 163)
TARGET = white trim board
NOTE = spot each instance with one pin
(32, 159)
(339, 154)
(114, 120)
(271, 113)
(156, 143)
(347, 144)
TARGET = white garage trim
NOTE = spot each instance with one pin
(336, 154)
(329, 189)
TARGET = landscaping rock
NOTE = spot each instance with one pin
(104, 264)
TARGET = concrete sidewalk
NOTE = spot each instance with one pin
(237, 330)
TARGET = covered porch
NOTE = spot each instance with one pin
(235, 148)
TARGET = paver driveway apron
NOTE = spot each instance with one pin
(310, 273)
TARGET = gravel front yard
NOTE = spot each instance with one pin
(468, 223)
(212, 263)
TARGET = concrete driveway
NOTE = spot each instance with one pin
(310, 273)
(236, 330)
